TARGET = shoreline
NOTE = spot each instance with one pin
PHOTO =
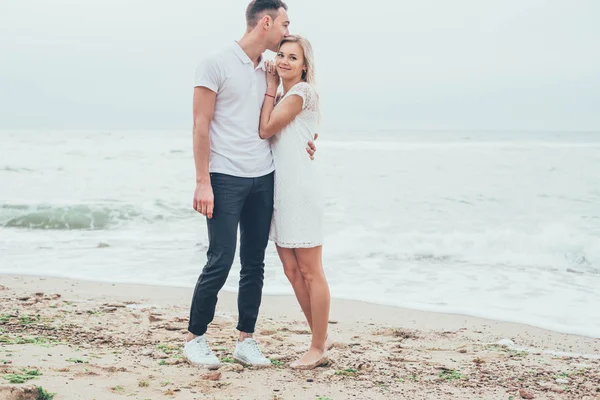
(128, 338)
(401, 308)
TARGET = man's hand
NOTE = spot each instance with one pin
(311, 149)
(204, 199)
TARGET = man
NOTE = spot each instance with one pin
(234, 178)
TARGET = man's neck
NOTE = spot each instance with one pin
(252, 47)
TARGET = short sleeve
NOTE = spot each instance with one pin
(208, 74)
(307, 93)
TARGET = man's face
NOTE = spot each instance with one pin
(279, 30)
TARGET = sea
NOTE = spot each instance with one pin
(493, 224)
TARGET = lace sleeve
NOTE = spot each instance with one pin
(308, 94)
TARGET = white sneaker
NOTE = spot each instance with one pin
(197, 352)
(248, 353)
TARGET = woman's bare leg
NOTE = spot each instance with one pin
(311, 267)
(292, 271)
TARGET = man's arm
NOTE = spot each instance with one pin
(203, 110)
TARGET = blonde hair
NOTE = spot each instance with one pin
(308, 76)
(309, 59)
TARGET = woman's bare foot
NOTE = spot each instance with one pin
(313, 358)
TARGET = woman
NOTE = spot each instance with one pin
(297, 225)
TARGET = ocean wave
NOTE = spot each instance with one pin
(392, 145)
(15, 169)
(554, 246)
(83, 216)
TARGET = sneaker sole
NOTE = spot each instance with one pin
(211, 367)
(247, 364)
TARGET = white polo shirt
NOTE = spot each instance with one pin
(235, 146)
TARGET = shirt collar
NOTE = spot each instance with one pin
(244, 57)
(261, 63)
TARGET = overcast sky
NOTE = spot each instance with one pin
(461, 64)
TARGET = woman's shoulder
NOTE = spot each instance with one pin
(303, 87)
(308, 94)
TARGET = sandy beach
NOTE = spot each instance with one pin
(90, 340)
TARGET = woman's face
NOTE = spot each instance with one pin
(290, 61)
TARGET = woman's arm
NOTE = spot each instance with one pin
(273, 121)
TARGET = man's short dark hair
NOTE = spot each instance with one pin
(257, 8)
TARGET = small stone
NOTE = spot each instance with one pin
(365, 368)
(526, 395)
(113, 369)
(175, 361)
(562, 381)
(309, 380)
(300, 331)
(117, 305)
(557, 389)
(231, 368)
(102, 245)
(24, 298)
(211, 376)
(173, 328)
(397, 333)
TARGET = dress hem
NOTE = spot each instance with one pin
(297, 245)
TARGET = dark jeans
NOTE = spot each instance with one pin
(247, 202)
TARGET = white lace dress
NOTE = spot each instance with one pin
(298, 207)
